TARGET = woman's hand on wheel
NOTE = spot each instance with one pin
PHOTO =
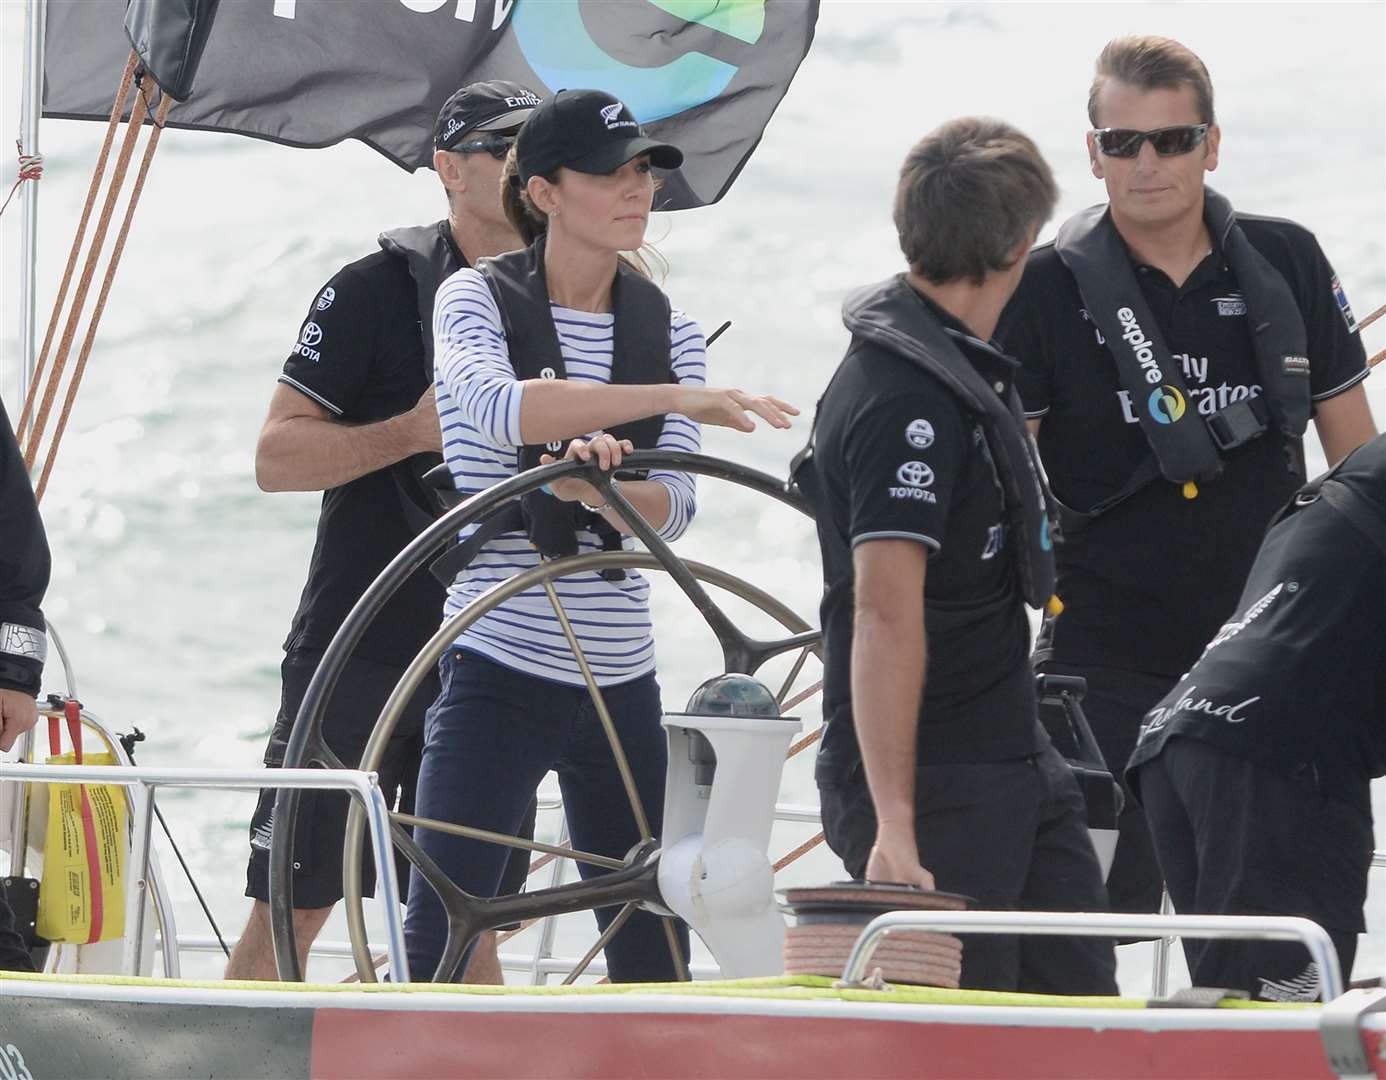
(732, 408)
(607, 449)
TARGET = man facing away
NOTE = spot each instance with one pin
(1256, 770)
(354, 416)
(933, 527)
(1173, 352)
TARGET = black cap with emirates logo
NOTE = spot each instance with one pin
(482, 106)
(586, 130)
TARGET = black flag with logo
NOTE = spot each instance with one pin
(705, 75)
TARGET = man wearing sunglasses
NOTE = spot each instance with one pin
(353, 416)
(1173, 353)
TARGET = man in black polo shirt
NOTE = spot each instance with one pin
(1173, 352)
(354, 417)
(934, 531)
(1255, 771)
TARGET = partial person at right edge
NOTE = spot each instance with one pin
(1173, 352)
(934, 530)
(24, 569)
(1256, 770)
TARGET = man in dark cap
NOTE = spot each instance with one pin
(354, 416)
(24, 567)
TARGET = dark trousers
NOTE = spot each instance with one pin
(490, 738)
(1114, 705)
(1011, 835)
(1236, 839)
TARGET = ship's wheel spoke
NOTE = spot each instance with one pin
(642, 822)
(740, 652)
(788, 683)
(490, 837)
(597, 946)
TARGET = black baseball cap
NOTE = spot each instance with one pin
(482, 106)
(589, 131)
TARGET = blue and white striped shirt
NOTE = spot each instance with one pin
(479, 408)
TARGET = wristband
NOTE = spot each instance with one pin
(604, 506)
(23, 642)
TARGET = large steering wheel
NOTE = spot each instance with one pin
(632, 882)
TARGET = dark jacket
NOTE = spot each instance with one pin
(24, 570)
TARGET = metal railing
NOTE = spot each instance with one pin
(363, 787)
(1094, 924)
(541, 961)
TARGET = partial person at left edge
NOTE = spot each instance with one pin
(24, 569)
(353, 416)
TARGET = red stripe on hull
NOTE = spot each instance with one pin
(413, 1046)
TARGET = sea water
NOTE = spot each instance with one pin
(174, 577)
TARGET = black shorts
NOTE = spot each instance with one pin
(1236, 839)
(1010, 834)
(319, 837)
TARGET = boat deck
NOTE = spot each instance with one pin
(776, 1027)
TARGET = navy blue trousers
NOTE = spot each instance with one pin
(490, 738)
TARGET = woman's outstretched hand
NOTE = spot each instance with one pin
(731, 408)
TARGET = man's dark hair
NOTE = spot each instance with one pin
(971, 193)
(1152, 63)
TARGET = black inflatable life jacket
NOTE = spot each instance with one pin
(432, 257)
(640, 356)
(890, 314)
(1186, 446)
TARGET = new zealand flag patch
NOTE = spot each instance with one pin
(1343, 305)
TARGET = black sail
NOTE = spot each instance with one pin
(311, 73)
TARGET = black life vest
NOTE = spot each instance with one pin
(1187, 447)
(640, 356)
(432, 257)
(891, 314)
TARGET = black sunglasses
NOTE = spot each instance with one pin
(490, 143)
(1167, 141)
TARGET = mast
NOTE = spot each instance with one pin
(31, 109)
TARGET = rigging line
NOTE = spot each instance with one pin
(30, 168)
(98, 173)
(804, 743)
(803, 849)
(79, 300)
(128, 742)
(114, 262)
(187, 872)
